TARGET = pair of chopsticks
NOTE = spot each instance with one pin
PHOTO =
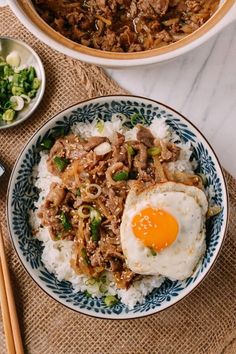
(9, 314)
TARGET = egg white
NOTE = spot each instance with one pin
(189, 206)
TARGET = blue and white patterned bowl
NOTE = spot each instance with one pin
(22, 195)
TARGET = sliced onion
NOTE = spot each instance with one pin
(93, 195)
(13, 59)
(84, 175)
(91, 281)
(102, 149)
(26, 98)
(213, 211)
(81, 211)
(17, 103)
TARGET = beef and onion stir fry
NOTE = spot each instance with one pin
(125, 25)
(86, 206)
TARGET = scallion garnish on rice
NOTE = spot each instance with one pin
(120, 176)
(110, 300)
(65, 221)
(60, 163)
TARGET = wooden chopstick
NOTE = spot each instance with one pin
(10, 301)
(6, 315)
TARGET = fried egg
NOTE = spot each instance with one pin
(163, 230)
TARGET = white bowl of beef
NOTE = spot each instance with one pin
(122, 33)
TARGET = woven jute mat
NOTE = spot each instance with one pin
(203, 323)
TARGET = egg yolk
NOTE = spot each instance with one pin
(156, 228)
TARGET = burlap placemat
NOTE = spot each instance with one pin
(204, 322)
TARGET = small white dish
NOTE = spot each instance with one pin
(28, 58)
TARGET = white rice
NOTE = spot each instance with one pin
(108, 129)
(57, 255)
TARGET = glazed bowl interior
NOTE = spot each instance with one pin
(22, 194)
(69, 47)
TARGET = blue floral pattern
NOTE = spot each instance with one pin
(23, 194)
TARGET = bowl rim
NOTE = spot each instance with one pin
(42, 86)
(35, 20)
(111, 317)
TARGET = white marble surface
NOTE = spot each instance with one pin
(201, 85)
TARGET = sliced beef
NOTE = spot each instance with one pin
(93, 142)
(97, 259)
(56, 195)
(145, 136)
(125, 25)
(169, 151)
(112, 170)
(140, 159)
(67, 208)
(123, 278)
(150, 7)
(119, 153)
(59, 150)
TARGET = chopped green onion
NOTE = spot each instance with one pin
(91, 281)
(27, 86)
(17, 86)
(58, 132)
(65, 221)
(120, 176)
(2, 66)
(100, 126)
(130, 150)
(7, 71)
(136, 118)
(102, 288)
(8, 115)
(36, 83)
(110, 300)
(96, 220)
(46, 144)
(8, 105)
(84, 211)
(94, 214)
(31, 74)
(78, 192)
(59, 236)
(16, 80)
(87, 294)
(103, 279)
(61, 163)
(154, 151)
(153, 252)
(85, 256)
(32, 93)
(17, 91)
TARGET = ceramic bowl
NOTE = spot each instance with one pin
(26, 13)
(22, 194)
(30, 58)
